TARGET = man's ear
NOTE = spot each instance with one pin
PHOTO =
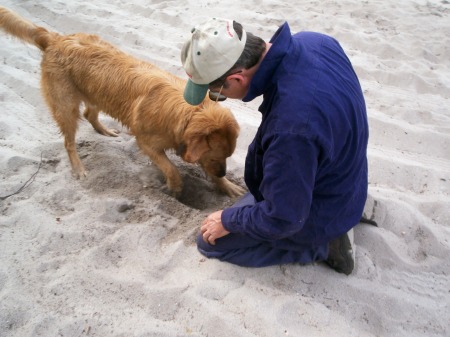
(237, 77)
(196, 146)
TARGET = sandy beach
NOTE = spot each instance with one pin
(113, 255)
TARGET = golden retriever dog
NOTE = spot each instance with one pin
(82, 68)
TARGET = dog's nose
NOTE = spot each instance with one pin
(221, 172)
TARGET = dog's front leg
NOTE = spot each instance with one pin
(226, 186)
(159, 158)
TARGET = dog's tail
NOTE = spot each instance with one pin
(15, 25)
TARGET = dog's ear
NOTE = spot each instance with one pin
(195, 147)
(200, 126)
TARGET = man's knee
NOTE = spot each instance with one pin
(208, 250)
(201, 244)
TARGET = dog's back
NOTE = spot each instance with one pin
(103, 75)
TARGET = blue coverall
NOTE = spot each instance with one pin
(306, 168)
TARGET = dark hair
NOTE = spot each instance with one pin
(254, 49)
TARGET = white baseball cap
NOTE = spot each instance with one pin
(213, 48)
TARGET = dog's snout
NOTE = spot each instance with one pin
(222, 170)
(222, 173)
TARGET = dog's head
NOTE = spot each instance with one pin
(210, 138)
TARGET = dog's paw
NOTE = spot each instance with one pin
(229, 188)
(176, 193)
(106, 132)
(111, 132)
(234, 190)
(80, 173)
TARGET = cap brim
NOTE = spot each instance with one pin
(194, 94)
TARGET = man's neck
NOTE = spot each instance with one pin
(251, 71)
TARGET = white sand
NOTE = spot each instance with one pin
(109, 257)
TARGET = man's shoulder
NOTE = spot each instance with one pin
(312, 36)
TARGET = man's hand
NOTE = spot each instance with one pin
(212, 228)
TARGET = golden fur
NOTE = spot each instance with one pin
(82, 68)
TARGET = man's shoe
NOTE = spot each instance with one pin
(340, 255)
